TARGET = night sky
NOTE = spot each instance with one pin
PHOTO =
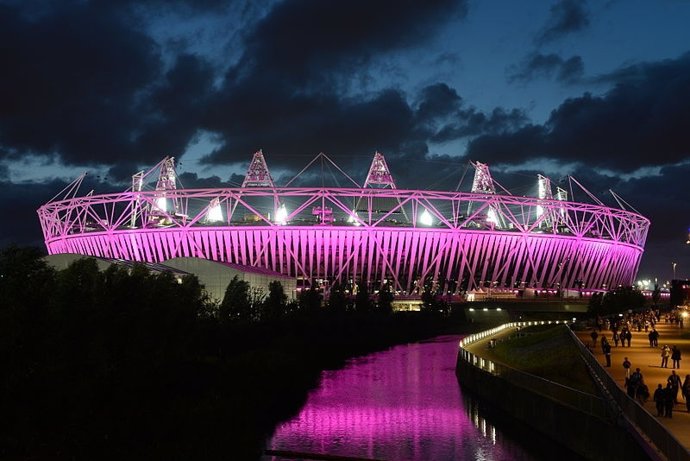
(599, 90)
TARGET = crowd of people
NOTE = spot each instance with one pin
(621, 330)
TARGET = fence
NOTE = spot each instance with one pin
(582, 401)
(632, 412)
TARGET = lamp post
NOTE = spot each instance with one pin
(674, 270)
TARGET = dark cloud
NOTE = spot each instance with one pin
(385, 121)
(438, 100)
(308, 40)
(565, 17)
(512, 147)
(192, 181)
(86, 82)
(551, 65)
(471, 122)
(662, 198)
(643, 121)
(288, 93)
(71, 82)
(21, 200)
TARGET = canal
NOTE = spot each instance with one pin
(405, 404)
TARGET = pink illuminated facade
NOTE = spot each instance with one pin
(459, 240)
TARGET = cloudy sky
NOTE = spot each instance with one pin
(596, 89)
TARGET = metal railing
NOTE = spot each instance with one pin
(582, 401)
(634, 414)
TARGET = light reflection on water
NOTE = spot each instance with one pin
(400, 404)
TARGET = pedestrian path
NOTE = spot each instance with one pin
(648, 360)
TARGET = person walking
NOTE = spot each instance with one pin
(655, 339)
(615, 338)
(628, 336)
(607, 352)
(668, 401)
(626, 366)
(594, 336)
(659, 400)
(665, 354)
(675, 357)
(634, 382)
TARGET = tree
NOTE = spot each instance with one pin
(619, 300)
(594, 305)
(309, 300)
(428, 298)
(236, 305)
(25, 278)
(337, 301)
(385, 299)
(275, 302)
(362, 299)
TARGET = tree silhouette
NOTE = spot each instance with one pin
(309, 300)
(275, 303)
(428, 298)
(362, 299)
(337, 301)
(614, 301)
(236, 305)
(385, 299)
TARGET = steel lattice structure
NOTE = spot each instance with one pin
(458, 240)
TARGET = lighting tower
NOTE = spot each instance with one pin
(257, 173)
(483, 184)
(544, 193)
(137, 187)
(379, 174)
(166, 182)
(561, 195)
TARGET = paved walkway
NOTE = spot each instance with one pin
(648, 360)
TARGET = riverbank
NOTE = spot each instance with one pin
(219, 396)
(290, 363)
(129, 364)
(582, 421)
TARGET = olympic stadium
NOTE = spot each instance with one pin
(375, 232)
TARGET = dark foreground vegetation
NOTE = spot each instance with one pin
(124, 364)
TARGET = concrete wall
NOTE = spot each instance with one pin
(590, 436)
(216, 276)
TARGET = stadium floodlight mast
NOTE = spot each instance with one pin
(543, 193)
(499, 239)
(257, 172)
(379, 174)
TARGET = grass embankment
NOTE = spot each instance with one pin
(548, 352)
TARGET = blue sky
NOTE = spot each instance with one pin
(595, 89)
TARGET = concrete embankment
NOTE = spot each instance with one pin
(586, 424)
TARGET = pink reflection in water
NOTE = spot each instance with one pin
(401, 404)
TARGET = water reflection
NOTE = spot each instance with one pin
(401, 404)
